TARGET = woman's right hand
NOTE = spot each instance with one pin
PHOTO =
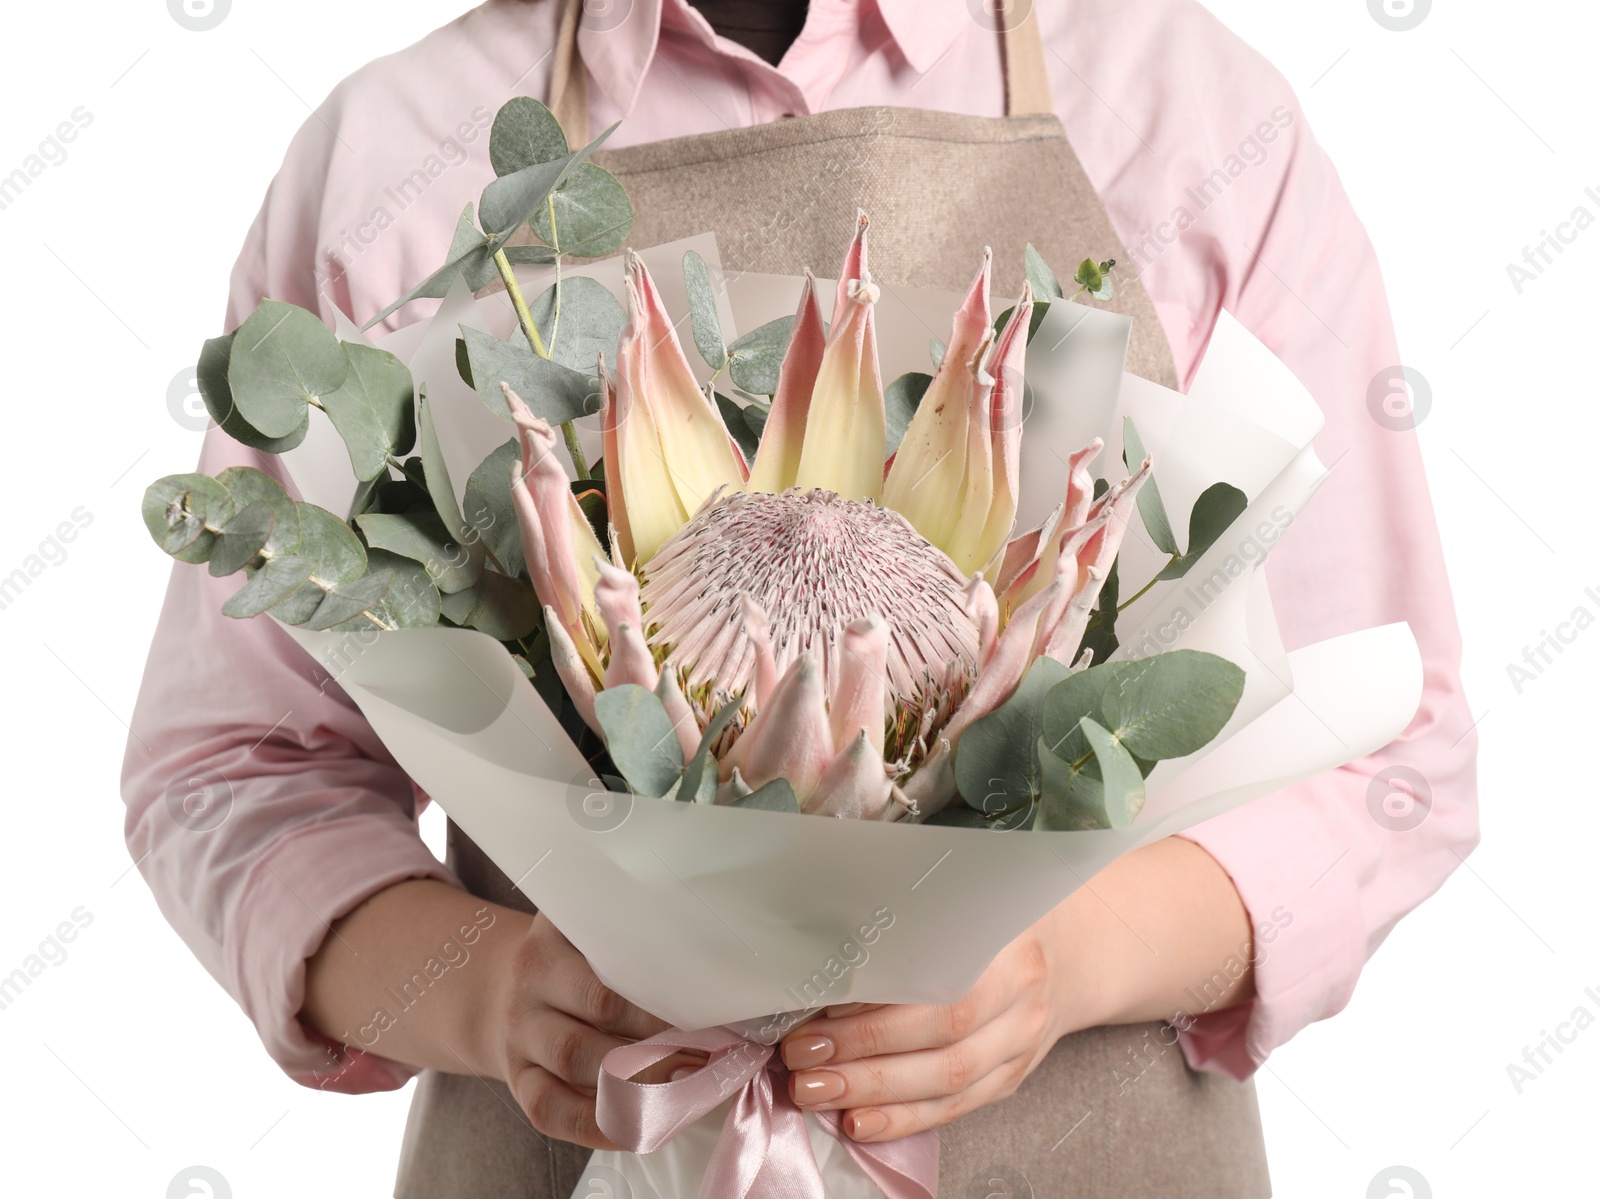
(516, 1002)
(551, 1023)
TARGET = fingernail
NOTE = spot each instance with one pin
(805, 1052)
(681, 1073)
(865, 1124)
(817, 1086)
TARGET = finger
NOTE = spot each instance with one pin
(563, 979)
(566, 1047)
(893, 1028)
(555, 1109)
(891, 1121)
(901, 1078)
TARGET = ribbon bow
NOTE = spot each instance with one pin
(765, 1150)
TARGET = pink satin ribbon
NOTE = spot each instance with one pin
(764, 1151)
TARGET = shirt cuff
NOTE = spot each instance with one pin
(1307, 945)
(289, 901)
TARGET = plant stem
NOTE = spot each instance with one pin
(508, 276)
(580, 462)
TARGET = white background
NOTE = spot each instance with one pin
(1460, 141)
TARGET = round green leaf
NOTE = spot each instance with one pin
(1172, 704)
(640, 738)
(375, 409)
(330, 543)
(489, 511)
(703, 318)
(283, 357)
(178, 509)
(591, 324)
(754, 359)
(593, 214)
(242, 538)
(525, 134)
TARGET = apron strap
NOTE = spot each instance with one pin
(569, 79)
(1027, 80)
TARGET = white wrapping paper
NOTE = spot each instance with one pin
(712, 915)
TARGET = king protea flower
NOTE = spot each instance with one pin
(864, 613)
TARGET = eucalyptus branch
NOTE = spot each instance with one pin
(508, 276)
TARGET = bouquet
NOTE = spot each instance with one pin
(782, 590)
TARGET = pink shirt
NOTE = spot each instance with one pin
(1223, 199)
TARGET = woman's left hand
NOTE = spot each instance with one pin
(902, 1068)
(1130, 946)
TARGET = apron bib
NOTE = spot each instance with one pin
(1110, 1111)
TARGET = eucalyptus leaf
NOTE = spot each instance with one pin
(422, 537)
(1089, 275)
(991, 774)
(1217, 508)
(375, 410)
(440, 489)
(348, 600)
(593, 215)
(900, 401)
(640, 738)
(754, 359)
(211, 376)
(412, 601)
(299, 605)
(247, 486)
(1077, 799)
(1172, 704)
(1043, 280)
(936, 351)
(273, 583)
(1102, 636)
(510, 201)
(703, 317)
(525, 133)
(733, 416)
(329, 542)
(699, 781)
(776, 796)
(489, 510)
(468, 254)
(1151, 510)
(282, 358)
(178, 509)
(503, 607)
(552, 392)
(242, 538)
(591, 324)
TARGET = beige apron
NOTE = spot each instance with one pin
(1111, 1112)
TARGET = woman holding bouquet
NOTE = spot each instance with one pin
(1107, 1051)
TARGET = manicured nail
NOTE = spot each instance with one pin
(817, 1086)
(681, 1073)
(805, 1052)
(864, 1124)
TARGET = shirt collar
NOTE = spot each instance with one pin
(618, 56)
